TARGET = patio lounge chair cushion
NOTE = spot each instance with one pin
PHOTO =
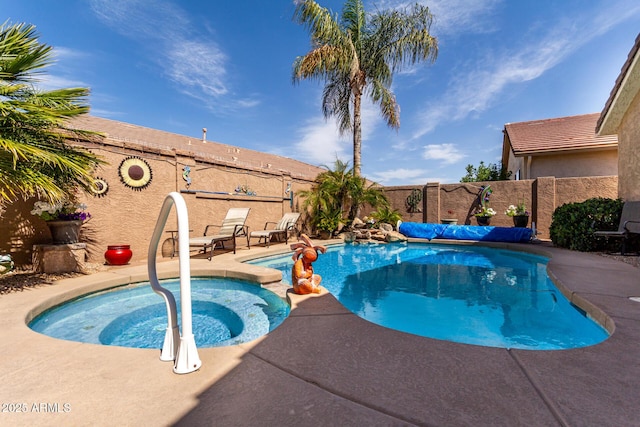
(282, 228)
(629, 224)
(233, 226)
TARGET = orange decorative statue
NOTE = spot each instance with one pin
(302, 277)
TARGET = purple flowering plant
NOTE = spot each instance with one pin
(64, 211)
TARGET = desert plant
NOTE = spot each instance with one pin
(338, 191)
(387, 215)
(573, 224)
(328, 220)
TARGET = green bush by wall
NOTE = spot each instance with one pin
(573, 224)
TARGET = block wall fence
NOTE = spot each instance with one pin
(458, 201)
(124, 215)
(128, 216)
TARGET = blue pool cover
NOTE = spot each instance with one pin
(429, 231)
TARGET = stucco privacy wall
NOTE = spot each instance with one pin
(127, 216)
(629, 152)
(541, 196)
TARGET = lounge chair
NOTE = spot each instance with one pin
(282, 228)
(629, 224)
(231, 228)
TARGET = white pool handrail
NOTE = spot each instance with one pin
(180, 348)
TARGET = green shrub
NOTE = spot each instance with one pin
(573, 224)
(387, 215)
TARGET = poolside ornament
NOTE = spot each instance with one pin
(99, 187)
(303, 279)
(413, 201)
(135, 173)
(181, 348)
(185, 175)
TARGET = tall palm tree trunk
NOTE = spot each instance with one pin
(357, 133)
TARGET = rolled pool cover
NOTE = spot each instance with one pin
(420, 230)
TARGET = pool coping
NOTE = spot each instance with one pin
(324, 365)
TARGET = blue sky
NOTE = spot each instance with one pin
(181, 66)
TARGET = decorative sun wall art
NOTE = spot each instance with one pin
(135, 173)
(99, 187)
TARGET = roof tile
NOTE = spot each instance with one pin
(558, 134)
(153, 140)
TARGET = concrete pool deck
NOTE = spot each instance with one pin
(325, 366)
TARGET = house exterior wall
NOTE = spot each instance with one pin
(629, 152)
(584, 164)
(515, 165)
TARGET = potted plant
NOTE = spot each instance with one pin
(519, 214)
(484, 214)
(327, 222)
(64, 219)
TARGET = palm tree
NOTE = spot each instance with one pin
(358, 56)
(337, 191)
(35, 157)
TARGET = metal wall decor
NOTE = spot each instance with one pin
(413, 201)
(99, 187)
(185, 175)
(244, 189)
(135, 173)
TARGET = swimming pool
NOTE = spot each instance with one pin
(467, 294)
(225, 312)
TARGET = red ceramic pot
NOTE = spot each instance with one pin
(118, 254)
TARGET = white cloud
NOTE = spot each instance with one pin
(401, 176)
(447, 153)
(453, 16)
(195, 64)
(477, 88)
(470, 16)
(191, 63)
(320, 143)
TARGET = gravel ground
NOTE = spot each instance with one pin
(629, 259)
(20, 280)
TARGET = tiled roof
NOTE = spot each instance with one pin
(574, 133)
(153, 139)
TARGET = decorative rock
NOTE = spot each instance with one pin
(357, 223)
(349, 237)
(385, 227)
(394, 236)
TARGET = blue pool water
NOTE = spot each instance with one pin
(225, 312)
(474, 295)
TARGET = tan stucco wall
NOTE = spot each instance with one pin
(596, 163)
(541, 196)
(127, 216)
(629, 152)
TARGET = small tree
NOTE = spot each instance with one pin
(338, 193)
(492, 172)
